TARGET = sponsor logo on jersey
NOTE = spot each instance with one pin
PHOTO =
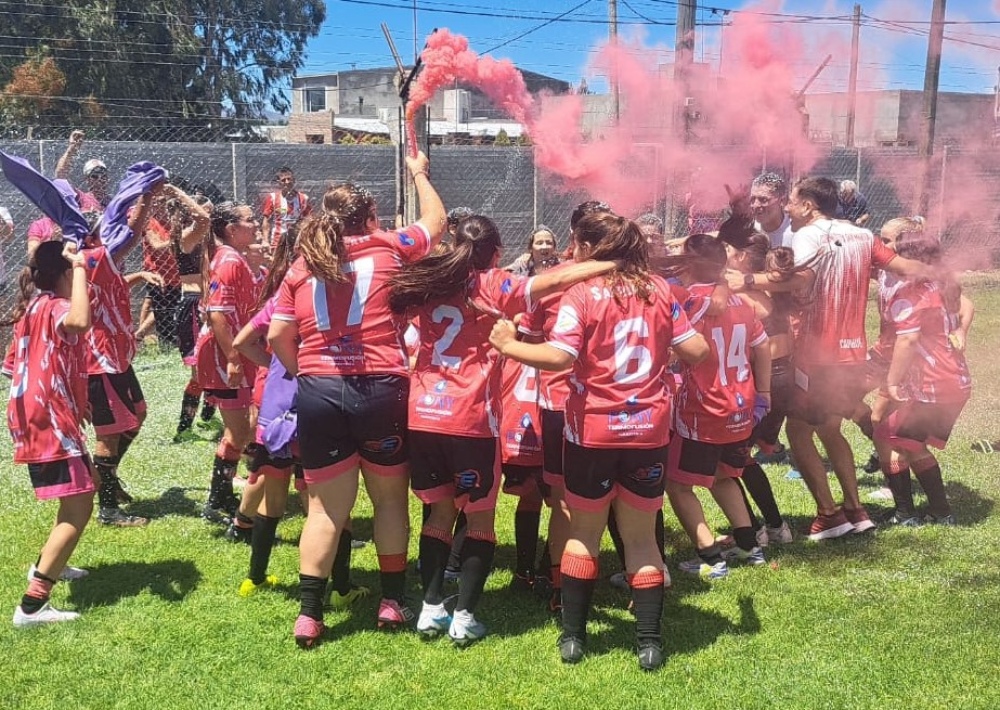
(507, 286)
(675, 309)
(435, 405)
(635, 420)
(565, 321)
(441, 386)
(526, 421)
(740, 402)
(901, 309)
(92, 263)
(406, 240)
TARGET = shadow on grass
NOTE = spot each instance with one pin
(173, 501)
(171, 580)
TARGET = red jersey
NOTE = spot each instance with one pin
(455, 386)
(48, 390)
(553, 387)
(284, 212)
(841, 255)
(111, 342)
(520, 417)
(939, 372)
(160, 259)
(348, 328)
(716, 397)
(888, 285)
(619, 394)
(232, 291)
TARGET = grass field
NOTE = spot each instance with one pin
(899, 619)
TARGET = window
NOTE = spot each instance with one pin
(315, 100)
(315, 138)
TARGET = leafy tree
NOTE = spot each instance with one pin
(502, 138)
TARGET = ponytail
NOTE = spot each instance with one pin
(321, 244)
(45, 267)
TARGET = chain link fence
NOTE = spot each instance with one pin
(502, 182)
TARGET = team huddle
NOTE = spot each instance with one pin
(595, 382)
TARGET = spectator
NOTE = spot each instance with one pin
(283, 207)
(852, 205)
(95, 173)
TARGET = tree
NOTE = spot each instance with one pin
(502, 138)
(164, 61)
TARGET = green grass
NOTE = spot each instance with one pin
(900, 619)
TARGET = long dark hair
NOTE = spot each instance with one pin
(446, 274)
(45, 267)
(354, 206)
(615, 238)
(284, 255)
(709, 258)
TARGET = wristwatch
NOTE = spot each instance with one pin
(748, 281)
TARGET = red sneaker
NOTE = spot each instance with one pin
(825, 527)
(858, 517)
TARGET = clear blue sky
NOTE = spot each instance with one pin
(893, 36)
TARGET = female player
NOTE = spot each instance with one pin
(333, 329)
(46, 413)
(224, 374)
(927, 384)
(617, 332)
(540, 255)
(454, 298)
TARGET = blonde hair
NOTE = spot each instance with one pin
(905, 225)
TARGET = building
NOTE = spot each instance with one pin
(895, 118)
(328, 106)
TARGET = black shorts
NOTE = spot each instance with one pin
(596, 476)
(188, 322)
(523, 480)
(782, 389)
(343, 416)
(914, 425)
(699, 463)
(465, 468)
(257, 456)
(116, 401)
(822, 392)
(553, 426)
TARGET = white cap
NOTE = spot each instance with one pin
(92, 165)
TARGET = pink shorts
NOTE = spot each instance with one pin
(62, 479)
(917, 424)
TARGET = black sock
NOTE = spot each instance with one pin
(220, 494)
(576, 596)
(189, 409)
(30, 605)
(261, 543)
(340, 578)
(710, 555)
(746, 538)
(544, 568)
(933, 485)
(207, 412)
(754, 520)
(902, 492)
(616, 537)
(526, 524)
(866, 426)
(433, 559)
(759, 488)
(477, 561)
(107, 492)
(311, 590)
(647, 605)
(661, 535)
(461, 526)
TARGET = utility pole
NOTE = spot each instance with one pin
(932, 77)
(852, 81)
(684, 58)
(613, 39)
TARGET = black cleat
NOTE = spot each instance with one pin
(650, 656)
(571, 649)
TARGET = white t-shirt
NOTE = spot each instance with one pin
(780, 237)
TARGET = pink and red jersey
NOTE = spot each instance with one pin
(832, 328)
(284, 212)
(348, 328)
(455, 384)
(520, 417)
(553, 387)
(160, 259)
(716, 397)
(888, 285)
(233, 291)
(111, 345)
(619, 394)
(48, 391)
(939, 372)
